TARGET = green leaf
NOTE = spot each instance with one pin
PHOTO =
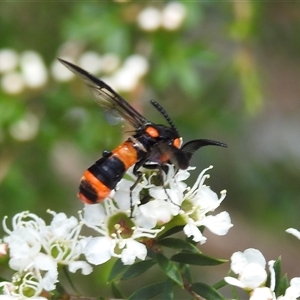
(138, 268)
(168, 293)
(117, 269)
(171, 231)
(197, 259)
(178, 244)
(277, 269)
(147, 292)
(206, 291)
(116, 291)
(282, 285)
(169, 268)
(151, 253)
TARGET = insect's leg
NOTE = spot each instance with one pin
(139, 176)
(106, 153)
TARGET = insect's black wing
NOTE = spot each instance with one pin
(107, 97)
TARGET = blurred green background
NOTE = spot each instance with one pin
(227, 71)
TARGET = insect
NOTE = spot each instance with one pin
(151, 145)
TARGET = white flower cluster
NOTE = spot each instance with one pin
(27, 70)
(123, 76)
(252, 276)
(19, 72)
(125, 221)
(170, 17)
(36, 250)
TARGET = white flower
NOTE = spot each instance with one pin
(13, 83)
(91, 61)
(33, 69)
(24, 285)
(61, 241)
(26, 128)
(23, 241)
(195, 206)
(262, 293)
(8, 60)
(173, 15)
(170, 17)
(119, 235)
(110, 63)
(38, 248)
(128, 75)
(171, 198)
(60, 72)
(293, 291)
(250, 267)
(149, 19)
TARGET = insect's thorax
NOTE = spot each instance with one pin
(145, 139)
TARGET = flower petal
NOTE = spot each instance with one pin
(261, 293)
(192, 230)
(255, 256)
(84, 266)
(218, 224)
(98, 250)
(294, 232)
(154, 212)
(49, 279)
(238, 262)
(253, 275)
(94, 213)
(234, 281)
(45, 262)
(132, 251)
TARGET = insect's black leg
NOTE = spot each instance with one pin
(139, 176)
(106, 153)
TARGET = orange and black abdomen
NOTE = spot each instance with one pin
(103, 176)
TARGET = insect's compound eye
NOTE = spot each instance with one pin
(152, 132)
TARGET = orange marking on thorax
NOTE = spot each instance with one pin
(126, 153)
(152, 131)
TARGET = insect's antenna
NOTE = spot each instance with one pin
(165, 114)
